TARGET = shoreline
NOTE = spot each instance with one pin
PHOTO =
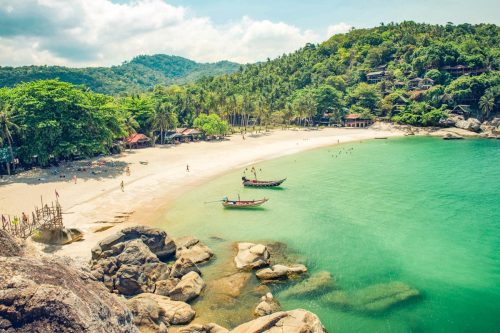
(96, 202)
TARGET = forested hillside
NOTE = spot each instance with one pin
(407, 73)
(138, 75)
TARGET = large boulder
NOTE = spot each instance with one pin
(9, 246)
(251, 256)
(268, 304)
(130, 268)
(182, 266)
(471, 124)
(295, 321)
(156, 239)
(39, 295)
(188, 288)
(193, 249)
(230, 285)
(319, 283)
(62, 236)
(281, 272)
(373, 299)
(156, 313)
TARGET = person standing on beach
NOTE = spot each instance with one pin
(74, 179)
(127, 170)
(122, 185)
(187, 167)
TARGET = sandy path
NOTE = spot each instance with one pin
(96, 200)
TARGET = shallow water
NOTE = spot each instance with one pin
(422, 211)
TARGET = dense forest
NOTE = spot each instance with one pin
(407, 73)
(139, 74)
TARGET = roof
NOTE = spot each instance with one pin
(134, 138)
(191, 131)
(417, 79)
(353, 116)
(463, 108)
(180, 129)
(375, 73)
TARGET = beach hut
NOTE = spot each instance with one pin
(137, 140)
(357, 120)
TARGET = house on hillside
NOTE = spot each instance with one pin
(399, 104)
(419, 83)
(375, 77)
(137, 140)
(357, 120)
(462, 110)
(459, 70)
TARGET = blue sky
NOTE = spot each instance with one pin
(107, 32)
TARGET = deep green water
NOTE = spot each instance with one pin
(423, 211)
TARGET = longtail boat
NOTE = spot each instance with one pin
(242, 203)
(261, 183)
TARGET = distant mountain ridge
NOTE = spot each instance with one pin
(141, 73)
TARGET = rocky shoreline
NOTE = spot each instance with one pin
(142, 280)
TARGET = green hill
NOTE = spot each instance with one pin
(141, 73)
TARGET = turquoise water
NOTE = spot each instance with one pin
(422, 211)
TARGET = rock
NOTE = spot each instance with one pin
(267, 306)
(130, 268)
(156, 312)
(230, 285)
(471, 124)
(281, 272)
(182, 266)
(451, 120)
(375, 298)
(189, 287)
(192, 249)
(319, 283)
(9, 246)
(295, 321)
(62, 236)
(491, 129)
(198, 328)
(153, 238)
(163, 287)
(55, 295)
(251, 256)
(452, 136)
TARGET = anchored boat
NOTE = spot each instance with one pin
(242, 203)
(261, 183)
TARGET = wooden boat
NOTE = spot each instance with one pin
(242, 203)
(261, 183)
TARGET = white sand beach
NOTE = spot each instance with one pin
(97, 205)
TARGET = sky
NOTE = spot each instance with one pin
(80, 33)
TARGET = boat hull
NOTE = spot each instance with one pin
(243, 204)
(262, 183)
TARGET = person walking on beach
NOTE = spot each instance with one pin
(187, 167)
(74, 179)
(122, 186)
(127, 170)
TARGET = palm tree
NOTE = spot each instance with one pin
(164, 119)
(487, 103)
(5, 131)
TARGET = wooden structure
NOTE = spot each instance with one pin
(137, 140)
(357, 120)
(419, 83)
(45, 218)
(459, 70)
(375, 77)
(183, 134)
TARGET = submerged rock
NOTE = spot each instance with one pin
(55, 295)
(188, 288)
(267, 306)
(156, 312)
(193, 249)
(251, 256)
(319, 283)
(231, 285)
(281, 272)
(375, 298)
(295, 321)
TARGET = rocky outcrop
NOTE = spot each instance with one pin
(188, 288)
(281, 272)
(491, 129)
(295, 321)
(182, 266)
(251, 256)
(62, 236)
(268, 305)
(129, 268)
(207, 328)
(41, 294)
(155, 239)
(156, 313)
(375, 298)
(193, 249)
(471, 124)
(319, 283)
(9, 246)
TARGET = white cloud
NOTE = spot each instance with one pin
(339, 28)
(100, 32)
